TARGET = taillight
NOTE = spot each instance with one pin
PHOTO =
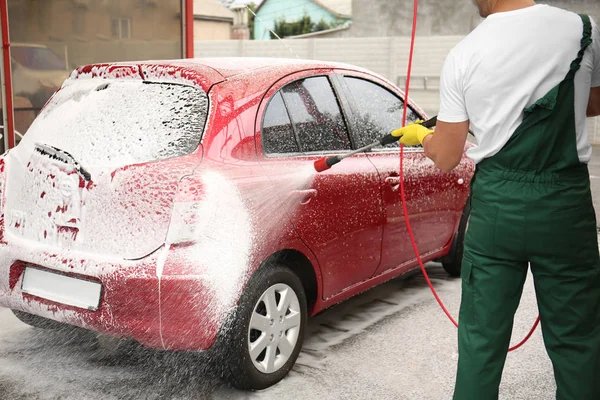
(185, 220)
(184, 223)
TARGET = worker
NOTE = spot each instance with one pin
(524, 81)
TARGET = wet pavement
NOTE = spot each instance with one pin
(392, 342)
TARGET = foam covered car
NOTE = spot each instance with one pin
(176, 203)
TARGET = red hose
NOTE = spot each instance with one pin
(403, 195)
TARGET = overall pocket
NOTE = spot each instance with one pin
(467, 302)
(481, 231)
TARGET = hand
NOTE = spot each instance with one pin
(412, 134)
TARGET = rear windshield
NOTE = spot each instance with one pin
(119, 122)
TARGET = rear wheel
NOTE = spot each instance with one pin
(267, 330)
(452, 263)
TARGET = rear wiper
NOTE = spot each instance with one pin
(62, 156)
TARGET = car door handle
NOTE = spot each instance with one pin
(392, 180)
(304, 195)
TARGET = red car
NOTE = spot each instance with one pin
(176, 203)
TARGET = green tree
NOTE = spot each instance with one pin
(322, 25)
(251, 9)
(301, 27)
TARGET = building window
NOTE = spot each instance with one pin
(79, 20)
(121, 27)
(44, 21)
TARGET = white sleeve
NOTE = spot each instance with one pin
(596, 55)
(452, 99)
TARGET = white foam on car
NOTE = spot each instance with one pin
(152, 72)
(112, 123)
(222, 242)
(234, 218)
(115, 132)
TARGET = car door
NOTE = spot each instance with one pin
(339, 213)
(434, 199)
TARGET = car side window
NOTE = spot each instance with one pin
(277, 132)
(378, 110)
(316, 116)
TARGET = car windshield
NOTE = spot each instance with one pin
(37, 58)
(120, 122)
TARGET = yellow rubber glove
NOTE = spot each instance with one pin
(412, 134)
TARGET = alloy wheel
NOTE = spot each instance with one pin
(274, 328)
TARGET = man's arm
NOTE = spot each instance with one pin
(447, 145)
(593, 109)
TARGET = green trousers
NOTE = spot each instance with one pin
(503, 240)
(531, 207)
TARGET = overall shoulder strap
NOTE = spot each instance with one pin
(586, 40)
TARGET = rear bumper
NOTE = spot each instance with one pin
(175, 312)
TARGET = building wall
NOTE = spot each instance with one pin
(590, 7)
(82, 26)
(212, 30)
(375, 18)
(289, 10)
(92, 20)
(84, 32)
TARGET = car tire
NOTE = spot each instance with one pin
(453, 262)
(267, 291)
(38, 322)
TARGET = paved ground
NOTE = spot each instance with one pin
(392, 342)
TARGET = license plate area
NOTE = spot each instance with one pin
(59, 288)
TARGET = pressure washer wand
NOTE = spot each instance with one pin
(323, 164)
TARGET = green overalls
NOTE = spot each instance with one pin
(531, 205)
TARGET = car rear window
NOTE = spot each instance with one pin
(278, 134)
(304, 116)
(316, 115)
(119, 122)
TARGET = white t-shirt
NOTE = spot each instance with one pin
(511, 60)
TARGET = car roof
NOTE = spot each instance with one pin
(234, 66)
(208, 71)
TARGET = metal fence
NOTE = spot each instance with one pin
(386, 56)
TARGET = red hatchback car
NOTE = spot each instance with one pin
(176, 203)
